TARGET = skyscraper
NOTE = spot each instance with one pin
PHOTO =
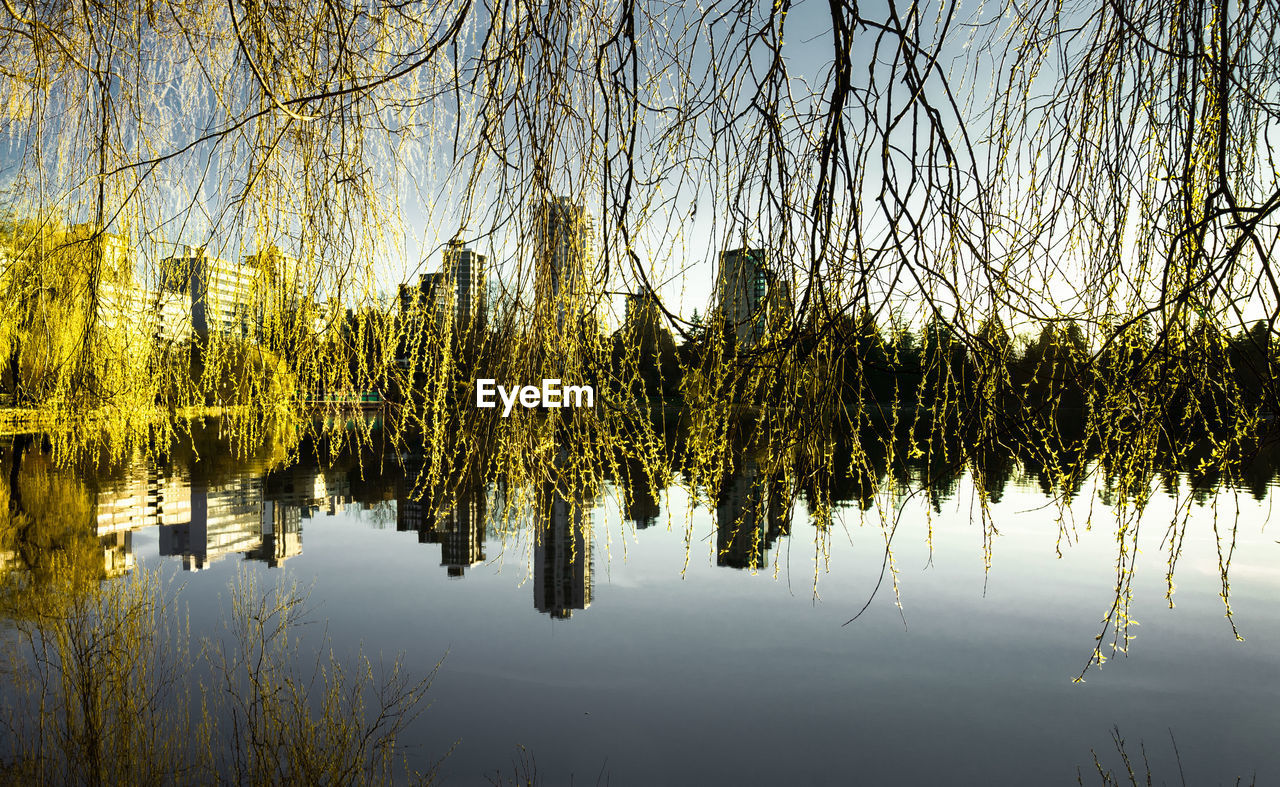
(564, 236)
(643, 315)
(456, 291)
(115, 256)
(219, 296)
(743, 286)
(464, 286)
(124, 323)
(284, 298)
(748, 293)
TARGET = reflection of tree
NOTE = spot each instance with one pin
(48, 538)
(995, 468)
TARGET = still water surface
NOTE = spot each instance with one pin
(638, 638)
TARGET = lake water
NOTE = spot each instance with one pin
(635, 637)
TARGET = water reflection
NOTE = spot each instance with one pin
(562, 553)
(202, 521)
(750, 516)
(459, 529)
(202, 514)
(500, 543)
(208, 505)
(640, 491)
(225, 519)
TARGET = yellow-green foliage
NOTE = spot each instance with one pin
(1051, 246)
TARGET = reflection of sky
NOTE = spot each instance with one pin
(685, 672)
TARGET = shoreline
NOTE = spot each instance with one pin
(32, 420)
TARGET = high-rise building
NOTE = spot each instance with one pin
(172, 315)
(564, 238)
(454, 293)
(464, 286)
(279, 270)
(220, 297)
(751, 295)
(125, 322)
(284, 299)
(117, 259)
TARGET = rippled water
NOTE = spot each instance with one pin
(636, 637)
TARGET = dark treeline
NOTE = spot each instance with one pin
(840, 402)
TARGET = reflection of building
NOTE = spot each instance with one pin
(308, 489)
(122, 507)
(459, 530)
(281, 533)
(204, 521)
(8, 561)
(411, 509)
(460, 534)
(226, 518)
(564, 235)
(562, 555)
(259, 517)
(750, 516)
(751, 295)
(218, 295)
(411, 513)
(639, 498)
(143, 497)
